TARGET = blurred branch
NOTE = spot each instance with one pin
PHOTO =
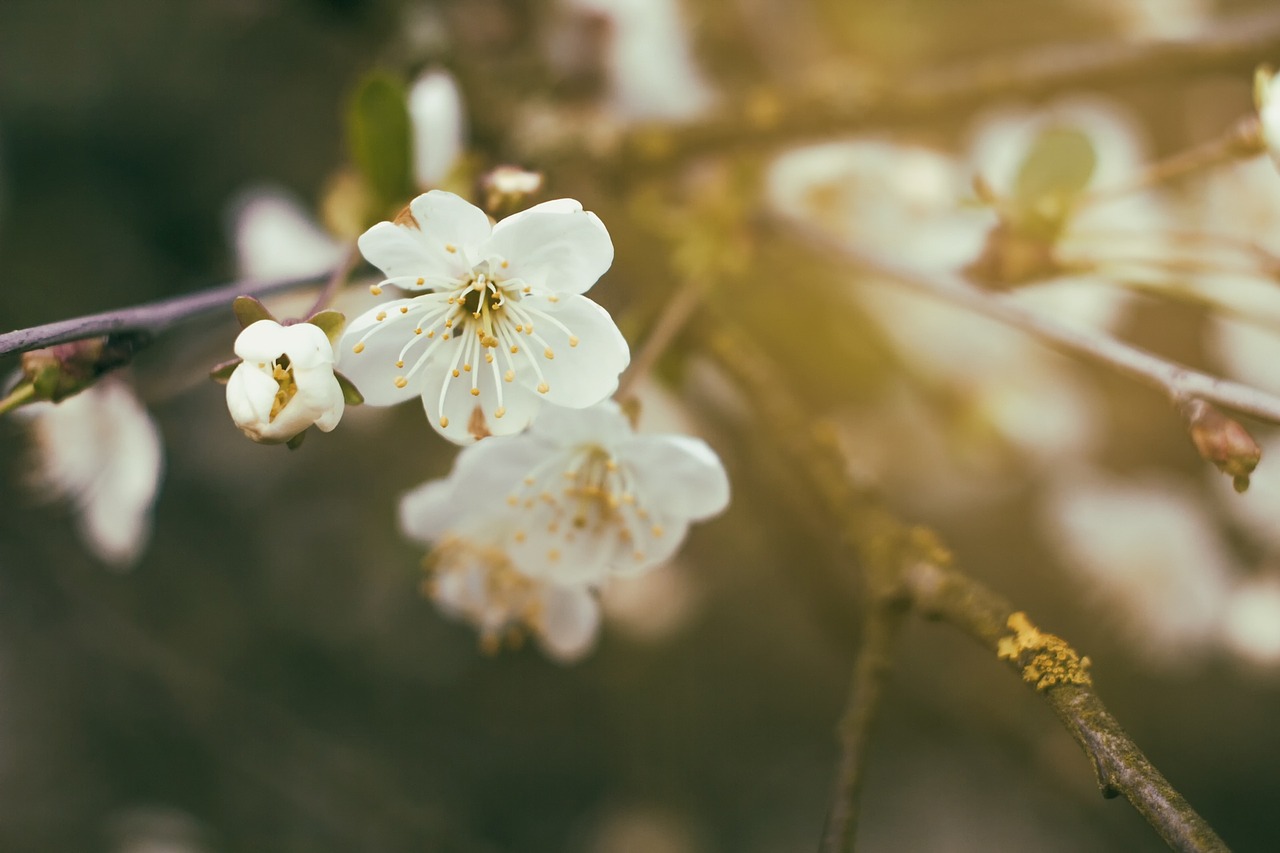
(1233, 45)
(1178, 382)
(882, 625)
(909, 565)
(149, 319)
(940, 592)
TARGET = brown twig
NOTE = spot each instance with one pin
(150, 319)
(945, 594)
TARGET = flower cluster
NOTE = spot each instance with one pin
(491, 330)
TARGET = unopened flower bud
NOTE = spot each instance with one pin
(1222, 441)
(59, 371)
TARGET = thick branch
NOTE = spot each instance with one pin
(1121, 768)
(1232, 45)
(1178, 382)
(151, 318)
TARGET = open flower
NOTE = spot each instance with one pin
(285, 382)
(578, 498)
(495, 319)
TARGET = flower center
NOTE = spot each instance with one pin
(282, 373)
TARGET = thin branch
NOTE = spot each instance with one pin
(675, 314)
(151, 318)
(350, 257)
(881, 629)
(1178, 382)
(943, 593)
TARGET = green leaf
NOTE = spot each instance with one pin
(1056, 171)
(331, 323)
(296, 442)
(222, 372)
(350, 394)
(249, 310)
(379, 136)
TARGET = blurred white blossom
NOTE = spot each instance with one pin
(651, 70)
(1251, 625)
(1149, 554)
(285, 382)
(1267, 96)
(495, 320)
(100, 451)
(1157, 20)
(275, 237)
(526, 528)
(439, 122)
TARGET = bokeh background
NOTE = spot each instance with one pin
(268, 677)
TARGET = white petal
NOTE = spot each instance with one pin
(276, 238)
(474, 416)
(603, 424)
(439, 125)
(577, 376)
(307, 347)
(655, 541)
(261, 341)
(320, 394)
(428, 511)
(544, 545)
(373, 370)
(250, 395)
(445, 219)
(570, 621)
(678, 475)
(555, 245)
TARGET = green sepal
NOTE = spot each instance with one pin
(350, 394)
(249, 310)
(329, 322)
(222, 372)
(379, 135)
(296, 442)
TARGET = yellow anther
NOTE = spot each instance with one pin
(488, 358)
(431, 334)
(573, 340)
(499, 412)
(519, 328)
(401, 382)
(444, 423)
(553, 298)
(450, 248)
(543, 387)
(656, 530)
(421, 282)
(506, 264)
(467, 368)
(475, 392)
(456, 374)
(375, 290)
(519, 536)
(382, 315)
(514, 349)
(445, 336)
(553, 554)
(399, 364)
(404, 309)
(639, 555)
(509, 376)
(417, 331)
(358, 348)
(548, 353)
(528, 288)
(512, 500)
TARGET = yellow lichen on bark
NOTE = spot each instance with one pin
(1051, 660)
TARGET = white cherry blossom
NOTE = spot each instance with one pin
(494, 319)
(285, 383)
(1266, 93)
(101, 451)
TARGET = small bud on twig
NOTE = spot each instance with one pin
(506, 189)
(1222, 441)
(62, 370)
